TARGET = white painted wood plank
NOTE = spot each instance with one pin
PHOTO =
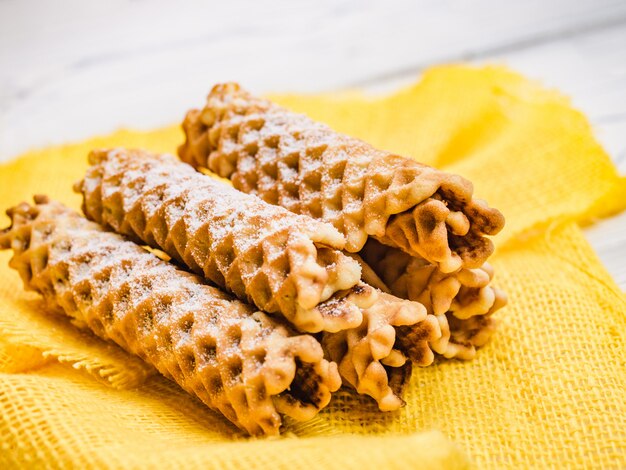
(74, 68)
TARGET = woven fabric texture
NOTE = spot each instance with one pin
(548, 390)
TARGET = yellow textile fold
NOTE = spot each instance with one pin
(548, 390)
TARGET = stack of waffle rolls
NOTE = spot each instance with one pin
(420, 228)
(254, 249)
(343, 263)
(237, 360)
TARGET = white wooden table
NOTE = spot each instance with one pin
(70, 69)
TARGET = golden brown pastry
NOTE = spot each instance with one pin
(463, 301)
(235, 359)
(304, 166)
(226, 235)
(279, 261)
(376, 358)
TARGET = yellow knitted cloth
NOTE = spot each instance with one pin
(549, 390)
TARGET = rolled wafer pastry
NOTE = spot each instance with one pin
(412, 338)
(119, 191)
(304, 166)
(377, 357)
(465, 299)
(279, 261)
(235, 359)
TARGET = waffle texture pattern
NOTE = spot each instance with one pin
(281, 262)
(546, 392)
(304, 166)
(236, 360)
(307, 168)
(263, 254)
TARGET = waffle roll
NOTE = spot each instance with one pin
(304, 166)
(235, 359)
(267, 256)
(376, 358)
(463, 301)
